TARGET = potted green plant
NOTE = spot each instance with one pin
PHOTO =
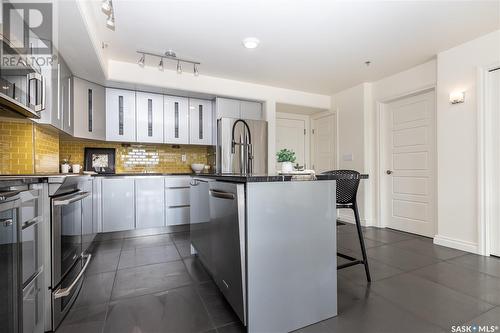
(286, 157)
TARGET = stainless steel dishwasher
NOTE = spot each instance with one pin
(220, 241)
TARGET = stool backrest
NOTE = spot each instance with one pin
(347, 186)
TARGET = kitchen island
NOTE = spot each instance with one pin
(269, 243)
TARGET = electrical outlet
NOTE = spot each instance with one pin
(183, 158)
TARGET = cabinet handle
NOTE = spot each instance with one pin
(221, 194)
(120, 115)
(67, 291)
(58, 91)
(200, 120)
(90, 108)
(69, 102)
(150, 117)
(176, 115)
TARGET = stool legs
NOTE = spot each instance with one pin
(361, 241)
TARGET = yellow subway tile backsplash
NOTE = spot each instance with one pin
(27, 148)
(138, 158)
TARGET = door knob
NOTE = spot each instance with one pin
(388, 172)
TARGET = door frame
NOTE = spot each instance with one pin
(380, 128)
(307, 137)
(486, 192)
(335, 135)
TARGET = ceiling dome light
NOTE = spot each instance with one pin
(142, 60)
(251, 42)
(179, 68)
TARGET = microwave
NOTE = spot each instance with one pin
(22, 86)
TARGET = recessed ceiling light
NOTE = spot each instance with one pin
(251, 42)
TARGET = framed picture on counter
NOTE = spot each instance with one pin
(100, 160)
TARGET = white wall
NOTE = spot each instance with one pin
(351, 108)
(151, 76)
(457, 140)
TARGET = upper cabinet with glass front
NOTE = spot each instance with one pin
(89, 109)
(176, 119)
(149, 110)
(120, 115)
(200, 121)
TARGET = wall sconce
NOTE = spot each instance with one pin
(457, 97)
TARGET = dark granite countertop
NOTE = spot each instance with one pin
(270, 177)
(142, 174)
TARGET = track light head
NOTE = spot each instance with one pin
(179, 68)
(160, 65)
(142, 60)
(195, 70)
(110, 22)
(106, 6)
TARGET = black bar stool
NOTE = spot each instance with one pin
(347, 188)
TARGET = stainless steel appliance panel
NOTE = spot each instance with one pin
(88, 229)
(33, 302)
(200, 219)
(9, 264)
(227, 162)
(227, 233)
(31, 235)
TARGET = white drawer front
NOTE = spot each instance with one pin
(177, 197)
(178, 215)
(177, 182)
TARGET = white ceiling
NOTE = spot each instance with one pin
(310, 45)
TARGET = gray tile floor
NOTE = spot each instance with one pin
(151, 283)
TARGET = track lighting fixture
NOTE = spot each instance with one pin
(107, 8)
(142, 60)
(168, 55)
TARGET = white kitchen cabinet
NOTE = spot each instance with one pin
(177, 200)
(89, 110)
(149, 202)
(51, 115)
(176, 119)
(200, 122)
(65, 98)
(233, 108)
(149, 110)
(120, 115)
(251, 110)
(227, 108)
(118, 204)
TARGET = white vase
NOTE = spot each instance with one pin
(286, 167)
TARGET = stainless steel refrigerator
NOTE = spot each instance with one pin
(241, 146)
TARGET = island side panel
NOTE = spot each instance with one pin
(291, 254)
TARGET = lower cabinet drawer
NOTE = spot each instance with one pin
(177, 197)
(177, 215)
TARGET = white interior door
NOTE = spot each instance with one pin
(494, 103)
(324, 143)
(290, 134)
(409, 171)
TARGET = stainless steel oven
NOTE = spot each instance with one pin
(69, 261)
(9, 261)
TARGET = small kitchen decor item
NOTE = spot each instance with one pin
(286, 158)
(100, 160)
(76, 168)
(197, 167)
(65, 165)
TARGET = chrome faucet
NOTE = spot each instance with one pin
(246, 162)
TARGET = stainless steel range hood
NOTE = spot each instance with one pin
(11, 108)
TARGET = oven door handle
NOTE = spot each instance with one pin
(67, 291)
(65, 202)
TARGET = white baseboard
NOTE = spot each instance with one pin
(349, 218)
(456, 244)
